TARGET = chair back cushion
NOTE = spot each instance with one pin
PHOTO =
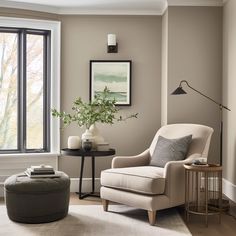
(170, 150)
(201, 136)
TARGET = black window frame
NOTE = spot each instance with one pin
(22, 89)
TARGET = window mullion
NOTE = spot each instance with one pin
(47, 105)
(19, 92)
(22, 92)
(45, 93)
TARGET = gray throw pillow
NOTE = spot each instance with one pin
(170, 150)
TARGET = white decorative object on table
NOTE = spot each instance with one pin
(87, 135)
(103, 146)
(74, 142)
(97, 137)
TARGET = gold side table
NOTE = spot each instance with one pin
(203, 190)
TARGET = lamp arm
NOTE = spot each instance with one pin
(219, 104)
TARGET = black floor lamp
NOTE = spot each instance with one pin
(180, 91)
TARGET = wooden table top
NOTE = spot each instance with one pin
(203, 168)
(81, 152)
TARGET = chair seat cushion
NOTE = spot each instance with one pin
(141, 179)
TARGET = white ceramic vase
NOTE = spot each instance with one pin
(97, 137)
(87, 135)
(74, 142)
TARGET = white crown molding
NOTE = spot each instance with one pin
(75, 11)
(78, 11)
(29, 6)
(195, 2)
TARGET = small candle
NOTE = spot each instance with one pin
(74, 142)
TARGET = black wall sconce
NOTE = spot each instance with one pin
(112, 45)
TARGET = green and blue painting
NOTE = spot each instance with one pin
(115, 76)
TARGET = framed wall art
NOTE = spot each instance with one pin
(115, 75)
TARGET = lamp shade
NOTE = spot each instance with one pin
(111, 40)
(178, 91)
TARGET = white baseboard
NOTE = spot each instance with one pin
(229, 190)
(16, 163)
(10, 165)
(74, 186)
(86, 185)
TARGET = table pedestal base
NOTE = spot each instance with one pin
(82, 153)
(91, 194)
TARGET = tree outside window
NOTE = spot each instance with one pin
(24, 86)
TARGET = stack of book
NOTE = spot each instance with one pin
(42, 171)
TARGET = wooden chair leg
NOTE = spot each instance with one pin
(105, 204)
(152, 217)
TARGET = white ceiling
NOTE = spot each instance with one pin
(119, 7)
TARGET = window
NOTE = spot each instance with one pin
(24, 90)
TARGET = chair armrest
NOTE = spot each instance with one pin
(177, 164)
(175, 179)
(131, 161)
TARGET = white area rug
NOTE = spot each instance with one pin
(93, 221)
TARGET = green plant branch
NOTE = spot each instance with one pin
(102, 109)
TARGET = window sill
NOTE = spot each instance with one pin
(29, 155)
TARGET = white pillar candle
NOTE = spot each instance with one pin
(74, 142)
(111, 39)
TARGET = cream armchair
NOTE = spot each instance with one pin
(131, 181)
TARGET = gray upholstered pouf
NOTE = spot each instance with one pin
(37, 200)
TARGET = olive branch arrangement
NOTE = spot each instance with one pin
(102, 109)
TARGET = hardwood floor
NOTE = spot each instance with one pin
(74, 200)
(196, 224)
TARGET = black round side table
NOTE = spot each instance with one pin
(81, 153)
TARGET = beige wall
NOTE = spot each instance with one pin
(84, 38)
(190, 45)
(195, 55)
(139, 37)
(10, 12)
(229, 94)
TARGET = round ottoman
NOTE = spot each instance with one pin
(37, 200)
